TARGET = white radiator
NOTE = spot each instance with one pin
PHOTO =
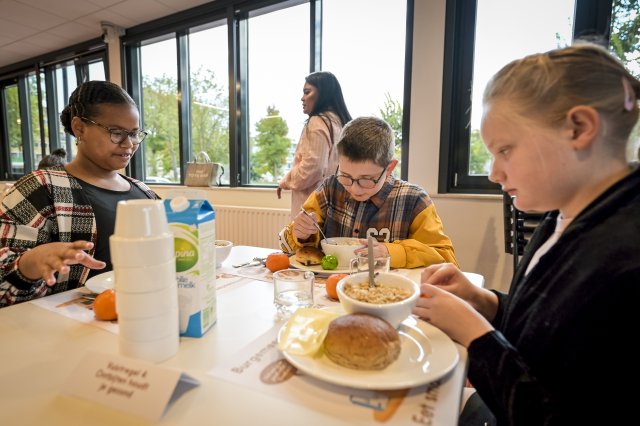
(250, 226)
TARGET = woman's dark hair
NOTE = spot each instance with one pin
(85, 100)
(329, 95)
(58, 157)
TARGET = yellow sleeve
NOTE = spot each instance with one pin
(288, 242)
(427, 243)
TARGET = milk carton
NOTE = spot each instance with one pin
(193, 225)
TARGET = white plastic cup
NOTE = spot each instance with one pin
(141, 252)
(140, 219)
(146, 305)
(154, 350)
(292, 289)
(149, 328)
(145, 279)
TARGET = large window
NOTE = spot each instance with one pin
(209, 80)
(374, 85)
(484, 35)
(160, 110)
(13, 131)
(625, 44)
(276, 78)
(31, 106)
(233, 79)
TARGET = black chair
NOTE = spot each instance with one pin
(518, 228)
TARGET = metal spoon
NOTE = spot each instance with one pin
(327, 240)
(372, 281)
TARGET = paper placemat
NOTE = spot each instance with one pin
(260, 366)
(75, 305)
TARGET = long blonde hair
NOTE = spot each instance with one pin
(546, 86)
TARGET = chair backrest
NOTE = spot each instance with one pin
(518, 228)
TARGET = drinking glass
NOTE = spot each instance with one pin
(292, 289)
(361, 263)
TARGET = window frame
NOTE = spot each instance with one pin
(236, 13)
(592, 18)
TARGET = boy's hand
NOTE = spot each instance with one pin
(379, 249)
(304, 225)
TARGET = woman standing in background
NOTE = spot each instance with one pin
(316, 156)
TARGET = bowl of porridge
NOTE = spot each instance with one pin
(392, 299)
(342, 248)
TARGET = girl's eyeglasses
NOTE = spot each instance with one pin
(120, 135)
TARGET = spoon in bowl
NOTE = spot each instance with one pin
(372, 281)
(327, 240)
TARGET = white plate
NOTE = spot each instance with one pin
(427, 354)
(101, 282)
(317, 268)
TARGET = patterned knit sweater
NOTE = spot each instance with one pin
(43, 207)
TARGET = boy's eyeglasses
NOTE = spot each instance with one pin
(365, 183)
(120, 135)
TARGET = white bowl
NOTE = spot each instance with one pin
(223, 248)
(394, 313)
(343, 250)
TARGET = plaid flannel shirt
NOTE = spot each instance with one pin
(401, 215)
(43, 207)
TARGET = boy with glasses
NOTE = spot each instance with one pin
(363, 198)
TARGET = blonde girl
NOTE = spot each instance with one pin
(556, 348)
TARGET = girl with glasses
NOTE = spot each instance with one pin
(56, 222)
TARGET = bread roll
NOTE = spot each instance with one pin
(309, 255)
(362, 342)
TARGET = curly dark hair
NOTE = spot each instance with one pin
(58, 157)
(84, 101)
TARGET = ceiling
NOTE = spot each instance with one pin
(30, 28)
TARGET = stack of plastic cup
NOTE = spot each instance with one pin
(143, 257)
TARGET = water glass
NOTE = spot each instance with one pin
(292, 289)
(361, 263)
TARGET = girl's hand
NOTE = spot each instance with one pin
(43, 261)
(451, 314)
(379, 249)
(448, 277)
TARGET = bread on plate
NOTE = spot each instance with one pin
(308, 255)
(362, 342)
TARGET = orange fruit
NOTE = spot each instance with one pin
(104, 307)
(277, 261)
(332, 284)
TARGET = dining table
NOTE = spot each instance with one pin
(42, 346)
